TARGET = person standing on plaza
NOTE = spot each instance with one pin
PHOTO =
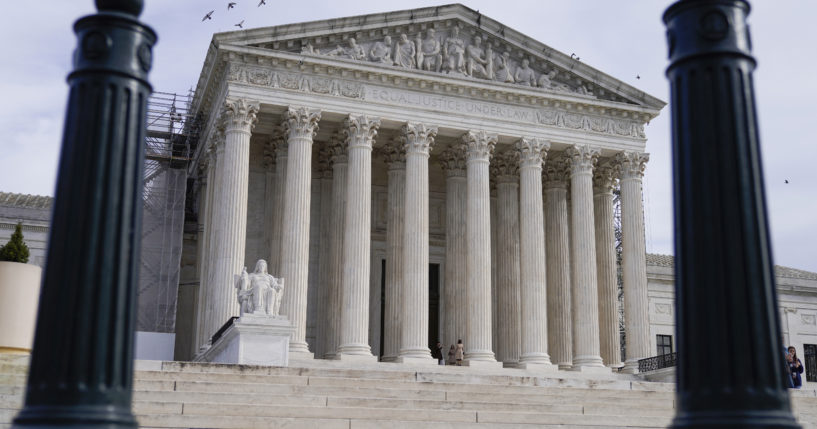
(451, 353)
(437, 353)
(795, 367)
(458, 354)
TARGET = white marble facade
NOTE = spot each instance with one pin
(359, 153)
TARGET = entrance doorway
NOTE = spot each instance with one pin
(433, 304)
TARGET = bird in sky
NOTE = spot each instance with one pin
(262, 2)
(208, 16)
(787, 180)
(637, 76)
(240, 24)
(572, 55)
(230, 5)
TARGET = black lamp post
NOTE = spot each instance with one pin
(729, 346)
(81, 372)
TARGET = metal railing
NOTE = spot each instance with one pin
(658, 362)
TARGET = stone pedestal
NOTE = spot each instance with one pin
(253, 340)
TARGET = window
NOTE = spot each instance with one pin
(664, 343)
(810, 353)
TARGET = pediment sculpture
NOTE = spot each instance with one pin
(259, 293)
(453, 53)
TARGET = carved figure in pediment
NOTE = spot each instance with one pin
(584, 90)
(489, 60)
(454, 52)
(429, 52)
(381, 51)
(474, 59)
(404, 52)
(503, 68)
(307, 49)
(356, 52)
(525, 75)
(548, 81)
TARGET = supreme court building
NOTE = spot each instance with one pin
(415, 176)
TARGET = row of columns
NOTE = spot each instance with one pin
(574, 296)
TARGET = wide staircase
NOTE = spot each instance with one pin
(324, 394)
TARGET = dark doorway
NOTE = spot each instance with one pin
(382, 305)
(433, 304)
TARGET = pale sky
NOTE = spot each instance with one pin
(620, 38)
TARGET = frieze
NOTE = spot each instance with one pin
(351, 89)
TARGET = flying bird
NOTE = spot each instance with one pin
(572, 55)
(240, 24)
(262, 2)
(230, 5)
(787, 180)
(637, 77)
(208, 16)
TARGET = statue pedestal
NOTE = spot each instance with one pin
(253, 340)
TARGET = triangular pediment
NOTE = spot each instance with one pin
(451, 40)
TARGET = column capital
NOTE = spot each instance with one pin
(240, 114)
(301, 122)
(360, 130)
(604, 177)
(418, 138)
(337, 149)
(556, 172)
(479, 145)
(452, 160)
(631, 165)
(324, 161)
(394, 153)
(532, 151)
(582, 159)
(505, 167)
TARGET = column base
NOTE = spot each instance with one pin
(355, 349)
(300, 355)
(299, 347)
(417, 361)
(630, 367)
(488, 364)
(345, 357)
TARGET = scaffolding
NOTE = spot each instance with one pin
(172, 134)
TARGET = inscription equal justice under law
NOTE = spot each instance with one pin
(447, 104)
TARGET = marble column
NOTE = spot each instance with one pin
(417, 139)
(231, 219)
(533, 276)
(301, 124)
(494, 259)
(204, 261)
(631, 167)
(279, 185)
(560, 333)
(324, 253)
(340, 166)
(584, 299)
(354, 317)
(211, 303)
(479, 146)
(269, 193)
(610, 346)
(505, 167)
(395, 156)
(456, 247)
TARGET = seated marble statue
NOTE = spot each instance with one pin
(525, 75)
(259, 292)
(381, 51)
(503, 68)
(548, 81)
(429, 52)
(475, 65)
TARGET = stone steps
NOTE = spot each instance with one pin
(328, 395)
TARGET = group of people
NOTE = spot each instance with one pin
(795, 368)
(455, 354)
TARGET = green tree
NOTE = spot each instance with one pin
(15, 250)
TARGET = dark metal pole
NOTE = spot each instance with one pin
(729, 344)
(81, 371)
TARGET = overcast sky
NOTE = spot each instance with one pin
(622, 38)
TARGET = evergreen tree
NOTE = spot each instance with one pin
(15, 250)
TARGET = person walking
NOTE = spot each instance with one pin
(458, 353)
(437, 353)
(795, 367)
